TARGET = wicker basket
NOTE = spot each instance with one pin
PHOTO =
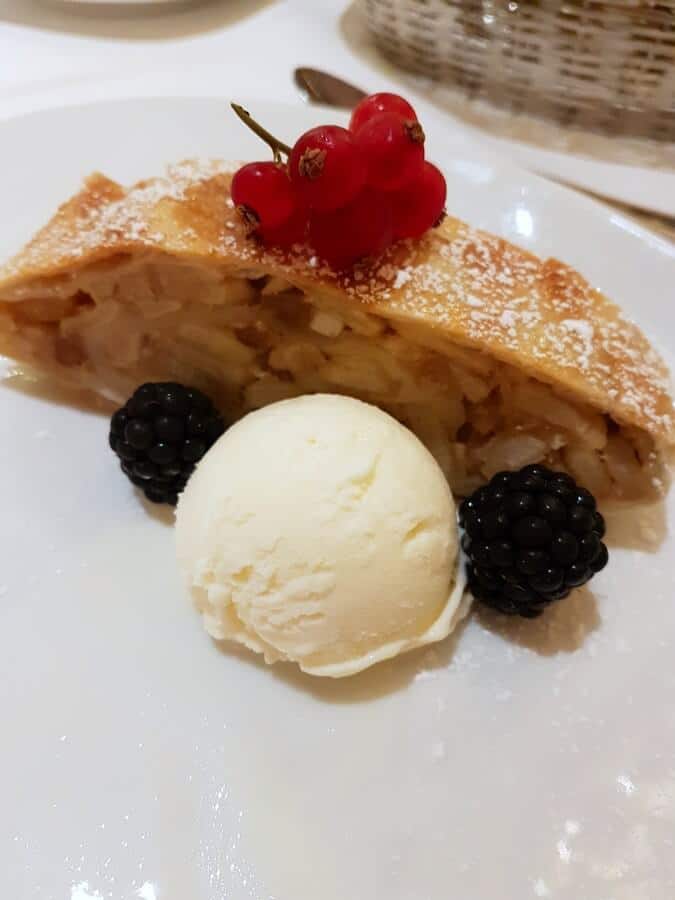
(603, 67)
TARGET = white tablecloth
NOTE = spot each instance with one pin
(229, 47)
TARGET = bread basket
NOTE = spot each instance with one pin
(607, 67)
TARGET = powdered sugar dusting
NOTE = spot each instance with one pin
(475, 302)
(508, 319)
(584, 331)
(402, 277)
(110, 215)
(501, 299)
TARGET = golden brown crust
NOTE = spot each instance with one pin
(469, 287)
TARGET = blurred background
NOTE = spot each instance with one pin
(581, 91)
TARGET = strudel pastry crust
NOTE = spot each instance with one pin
(494, 357)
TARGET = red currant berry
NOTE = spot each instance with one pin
(420, 204)
(263, 195)
(393, 150)
(291, 232)
(326, 168)
(379, 103)
(363, 228)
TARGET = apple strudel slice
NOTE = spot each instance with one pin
(492, 356)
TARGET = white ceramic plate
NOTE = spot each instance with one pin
(142, 761)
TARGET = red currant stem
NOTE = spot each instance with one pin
(273, 143)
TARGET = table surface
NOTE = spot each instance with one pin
(53, 52)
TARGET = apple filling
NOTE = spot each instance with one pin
(249, 339)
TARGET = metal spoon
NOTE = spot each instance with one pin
(321, 87)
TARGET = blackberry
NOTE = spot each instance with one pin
(160, 434)
(530, 537)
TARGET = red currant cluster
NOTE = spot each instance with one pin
(349, 193)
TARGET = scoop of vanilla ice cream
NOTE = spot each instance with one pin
(322, 531)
